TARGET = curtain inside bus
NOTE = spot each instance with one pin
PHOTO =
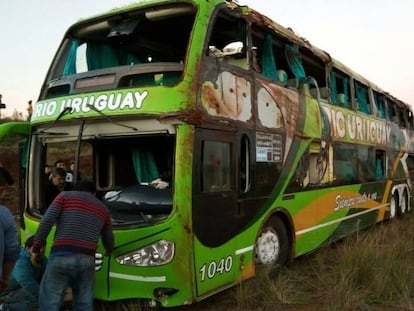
(361, 93)
(334, 89)
(294, 61)
(98, 55)
(345, 84)
(269, 69)
(144, 165)
(70, 65)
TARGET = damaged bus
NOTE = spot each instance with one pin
(273, 147)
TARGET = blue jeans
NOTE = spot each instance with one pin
(75, 271)
(18, 300)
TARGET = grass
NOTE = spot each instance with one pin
(372, 270)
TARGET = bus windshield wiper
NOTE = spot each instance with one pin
(61, 114)
(110, 119)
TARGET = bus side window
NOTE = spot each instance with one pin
(379, 103)
(402, 120)
(339, 88)
(361, 97)
(345, 167)
(392, 110)
(294, 60)
(270, 57)
(216, 167)
(365, 163)
(380, 171)
(315, 67)
(228, 40)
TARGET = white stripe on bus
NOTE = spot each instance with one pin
(148, 279)
(244, 250)
(339, 220)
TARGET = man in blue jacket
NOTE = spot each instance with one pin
(23, 291)
(9, 246)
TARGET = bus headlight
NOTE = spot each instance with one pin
(156, 254)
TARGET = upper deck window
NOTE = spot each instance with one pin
(228, 40)
(380, 104)
(361, 97)
(339, 85)
(146, 47)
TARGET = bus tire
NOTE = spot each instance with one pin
(394, 205)
(404, 205)
(272, 244)
(399, 209)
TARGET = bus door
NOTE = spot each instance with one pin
(214, 209)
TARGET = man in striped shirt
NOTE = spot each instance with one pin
(80, 220)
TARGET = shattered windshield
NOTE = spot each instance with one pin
(140, 47)
(133, 175)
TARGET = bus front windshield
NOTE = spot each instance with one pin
(145, 47)
(133, 174)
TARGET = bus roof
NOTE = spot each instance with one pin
(252, 14)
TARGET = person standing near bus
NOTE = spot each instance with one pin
(29, 110)
(80, 220)
(9, 246)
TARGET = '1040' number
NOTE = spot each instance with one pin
(211, 269)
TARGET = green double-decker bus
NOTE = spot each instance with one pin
(266, 146)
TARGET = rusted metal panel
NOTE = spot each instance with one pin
(229, 96)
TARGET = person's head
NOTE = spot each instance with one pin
(60, 163)
(58, 177)
(85, 185)
(35, 259)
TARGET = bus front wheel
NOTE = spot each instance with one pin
(272, 244)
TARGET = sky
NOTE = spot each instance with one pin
(374, 38)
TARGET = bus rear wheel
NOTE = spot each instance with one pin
(272, 244)
(394, 208)
(402, 205)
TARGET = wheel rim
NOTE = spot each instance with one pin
(267, 247)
